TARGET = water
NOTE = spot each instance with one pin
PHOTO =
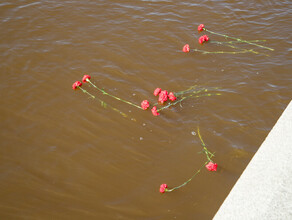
(64, 156)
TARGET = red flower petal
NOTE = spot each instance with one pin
(154, 111)
(162, 96)
(171, 96)
(186, 48)
(206, 38)
(211, 166)
(76, 85)
(162, 188)
(201, 27)
(201, 39)
(85, 77)
(157, 91)
(145, 104)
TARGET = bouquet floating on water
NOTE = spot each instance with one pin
(165, 98)
(205, 38)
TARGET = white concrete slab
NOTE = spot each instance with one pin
(264, 190)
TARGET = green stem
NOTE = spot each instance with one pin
(117, 98)
(190, 90)
(198, 171)
(103, 103)
(238, 39)
(183, 98)
(250, 50)
(185, 91)
(207, 152)
(219, 52)
(171, 103)
(236, 42)
(83, 90)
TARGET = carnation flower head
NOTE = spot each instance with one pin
(171, 96)
(162, 188)
(163, 96)
(85, 77)
(201, 39)
(206, 38)
(154, 111)
(211, 166)
(156, 91)
(201, 27)
(186, 48)
(76, 85)
(145, 104)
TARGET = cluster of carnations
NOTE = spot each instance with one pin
(202, 39)
(78, 84)
(209, 164)
(205, 38)
(163, 96)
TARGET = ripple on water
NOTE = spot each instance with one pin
(66, 155)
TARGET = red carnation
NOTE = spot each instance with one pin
(162, 96)
(211, 166)
(76, 85)
(206, 38)
(85, 77)
(145, 104)
(157, 91)
(171, 96)
(201, 27)
(186, 48)
(163, 188)
(201, 39)
(154, 111)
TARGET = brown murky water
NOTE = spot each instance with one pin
(64, 156)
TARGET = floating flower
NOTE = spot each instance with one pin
(203, 38)
(76, 85)
(206, 38)
(157, 91)
(162, 96)
(171, 96)
(154, 111)
(85, 77)
(145, 104)
(163, 188)
(201, 27)
(211, 166)
(186, 48)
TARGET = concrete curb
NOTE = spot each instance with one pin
(264, 190)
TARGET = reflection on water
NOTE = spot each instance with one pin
(63, 155)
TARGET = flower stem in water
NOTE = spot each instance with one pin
(103, 104)
(117, 98)
(209, 156)
(239, 40)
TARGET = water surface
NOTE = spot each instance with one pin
(64, 156)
